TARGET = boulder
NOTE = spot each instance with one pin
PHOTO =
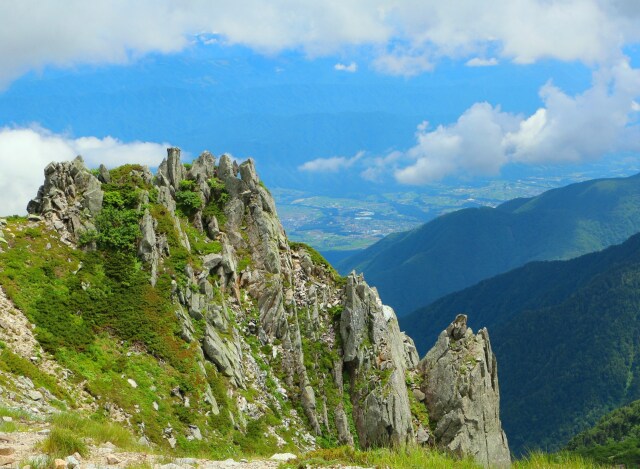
(225, 353)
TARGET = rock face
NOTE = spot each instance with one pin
(275, 325)
(70, 197)
(460, 386)
(374, 357)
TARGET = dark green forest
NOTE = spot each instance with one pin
(615, 439)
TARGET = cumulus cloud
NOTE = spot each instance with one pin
(330, 165)
(24, 153)
(567, 129)
(407, 37)
(352, 67)
(479, 62)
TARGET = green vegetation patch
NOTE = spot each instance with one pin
(408, 457)
(62, 442)
(318, 259)
(615, 439)
(19, 366)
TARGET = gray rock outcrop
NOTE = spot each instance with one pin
(375, 359)
(69, 198)
(460, 386)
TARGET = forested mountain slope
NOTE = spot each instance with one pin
(566, 334)
(457, 250)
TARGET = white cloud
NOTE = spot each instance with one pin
(407, 37)
(381, 166)
(480, 62)
(351, 68)
(404, 62)
(568, 129)
(25, 152)
(330, 165)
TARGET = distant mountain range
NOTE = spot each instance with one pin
(459, 249)
(566, 335)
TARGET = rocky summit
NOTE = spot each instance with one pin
(175, 304)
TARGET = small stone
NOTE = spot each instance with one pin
(283, 457)
(113, 459)
(229, 463)
(143, 441)
(35, 395)
(155, 405)
(244, 461)
(59, 463)
(195, 432)
(72, 461)
(44, 431)
(132, 383)
(172, 442)
(7, 451)
(77, 456)
(7, 460)
(7, 419)
(33, 217)
(419, 395)
(422, 437)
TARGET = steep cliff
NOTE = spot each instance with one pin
(185, 285)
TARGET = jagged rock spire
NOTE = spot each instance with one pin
(460, 386)
(69, 198)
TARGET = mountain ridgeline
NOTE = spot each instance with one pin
(175, 304)
(459, 249)
(566, 335)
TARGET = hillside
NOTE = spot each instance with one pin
(615, 439)
(174, 305)
(566, 334)
(457, 250)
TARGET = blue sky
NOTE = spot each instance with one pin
(344, 97)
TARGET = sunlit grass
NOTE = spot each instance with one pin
(412, 457)
(98, 431)
(540, 460)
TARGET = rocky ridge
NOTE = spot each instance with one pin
(272, 317)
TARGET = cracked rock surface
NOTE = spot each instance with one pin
(460, 386)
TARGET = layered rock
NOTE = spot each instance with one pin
(460, 386)
(69, 198)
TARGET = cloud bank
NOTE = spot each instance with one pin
(330, 165)
(25, 152)
(567, 129)
(405, 37)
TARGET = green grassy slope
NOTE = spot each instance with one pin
(566, 336)
(459, 249)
